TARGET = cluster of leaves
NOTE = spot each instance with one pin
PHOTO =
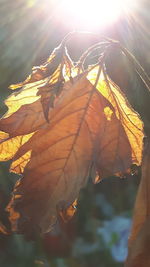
(62, 125)
(65, 123)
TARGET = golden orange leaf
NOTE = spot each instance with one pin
(47, 69)
(129, 119)
(91, 130)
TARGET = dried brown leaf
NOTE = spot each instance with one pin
(92, 130)
(45, 70)
(139, 241)
(122, 122)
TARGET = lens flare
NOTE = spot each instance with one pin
(94, 13)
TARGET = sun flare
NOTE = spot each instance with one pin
(95, 12)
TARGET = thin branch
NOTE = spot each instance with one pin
(139, 69)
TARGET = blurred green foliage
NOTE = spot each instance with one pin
(28, 33)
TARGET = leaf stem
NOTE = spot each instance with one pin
(105, 41)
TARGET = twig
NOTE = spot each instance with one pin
(139, 69)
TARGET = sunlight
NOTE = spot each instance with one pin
(95, 12)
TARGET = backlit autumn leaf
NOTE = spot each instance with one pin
(139, 240)
(59, 130)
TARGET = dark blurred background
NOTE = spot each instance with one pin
(97, 235)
